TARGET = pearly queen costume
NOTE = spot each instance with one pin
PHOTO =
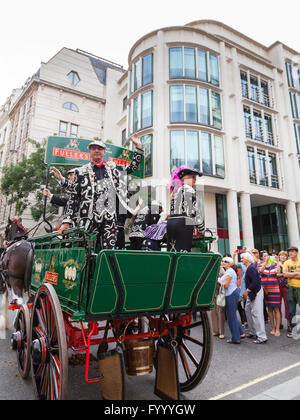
(185, 213)
(95, 195)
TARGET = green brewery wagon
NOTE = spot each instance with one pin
(82, 298)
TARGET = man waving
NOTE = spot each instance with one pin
(96, 192)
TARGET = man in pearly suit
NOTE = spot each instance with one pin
(96, 192)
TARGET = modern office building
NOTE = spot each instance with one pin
(209, 97)
(202, 95)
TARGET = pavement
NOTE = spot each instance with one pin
(243, 372)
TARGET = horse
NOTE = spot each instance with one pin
(15, 267)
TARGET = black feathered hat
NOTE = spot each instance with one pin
(188, 171)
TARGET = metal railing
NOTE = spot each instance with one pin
(257, 95)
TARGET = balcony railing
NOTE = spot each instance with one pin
(275, 181)
(264, 180)
(252, 177)
(257, 95)
(261, 136)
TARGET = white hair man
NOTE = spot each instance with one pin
(254, 301)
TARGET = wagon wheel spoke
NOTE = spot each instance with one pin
(45, 312)
(55, 374)
(42, 325)
(184, 364)
(42, 378)
(190, 354)
(193, 340)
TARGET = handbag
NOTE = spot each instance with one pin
(221, 300)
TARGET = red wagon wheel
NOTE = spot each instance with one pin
(19, 340)
(49, 356)
(195, 345)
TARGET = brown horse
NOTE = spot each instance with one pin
(15, 267)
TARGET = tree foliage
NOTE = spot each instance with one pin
(22, 183)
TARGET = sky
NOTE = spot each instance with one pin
(33, 31)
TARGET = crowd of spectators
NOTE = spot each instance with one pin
(257, 287)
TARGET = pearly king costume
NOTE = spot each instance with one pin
(95, 195)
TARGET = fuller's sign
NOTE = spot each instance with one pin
(75, 152)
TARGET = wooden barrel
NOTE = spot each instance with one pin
(138, 356)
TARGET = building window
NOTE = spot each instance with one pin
(214, 70)
(74, 130)
(206, 150)
(63, 127)
(124, 103)
(176, 63)
(177, 103)
(66, 128)
(147, 142)
(216, 110)
(254, 89)
(268, 134)
(252, 165)
(137, 75)
(199, 150)
(264, 91)
(258, 91)
(248, 123)
(74, 78)
(177, 149)
(289, 74)
(140, 112)
(293, 75)
(270, 227)
(204, 106)
(70, 106)
(192, 150)
(244, 83)
(192, 104)
(263, 168)
(142, 73)
(295, 106)
(147, 65)
(222, 224)
(297, 134)
(191, 63)
(202, 66)
(123, 136)
(262, 130)
(146, 111)
(273, 171)
(258, 126)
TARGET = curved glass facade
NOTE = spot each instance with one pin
(198, 150)
(193, 63)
